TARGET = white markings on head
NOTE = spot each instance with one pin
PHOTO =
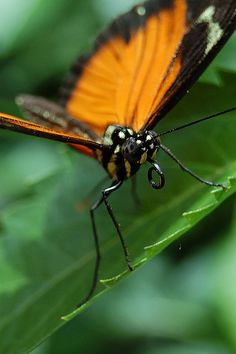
(148, 138)
(141, 11)
(215, 32)
(138, 142)
(121, 135)
(108, 133)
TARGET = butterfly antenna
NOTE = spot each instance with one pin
(197, 121)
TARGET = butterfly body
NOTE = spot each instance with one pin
(126, 151)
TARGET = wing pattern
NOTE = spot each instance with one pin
(145, 62)
(23, 126)
(140, 67)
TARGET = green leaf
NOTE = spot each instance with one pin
(47, 253)
(223, 274)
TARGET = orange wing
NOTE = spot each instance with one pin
(146, 61)
(19, 125)
(121, 82)
(48, 114)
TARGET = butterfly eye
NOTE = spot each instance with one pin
(131, 149)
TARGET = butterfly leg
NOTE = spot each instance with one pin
(98, 254)
(105, 194)
(102, 199)
(186, 169)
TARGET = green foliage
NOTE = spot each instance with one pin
(46, 248)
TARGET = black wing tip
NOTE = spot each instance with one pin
(186, 80)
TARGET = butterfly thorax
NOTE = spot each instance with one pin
(125, 151)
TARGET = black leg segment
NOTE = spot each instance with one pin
(104, 198)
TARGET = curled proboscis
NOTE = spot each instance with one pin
(156, 168)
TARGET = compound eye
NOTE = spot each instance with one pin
(130, 148)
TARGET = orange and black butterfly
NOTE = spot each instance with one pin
(114, 97)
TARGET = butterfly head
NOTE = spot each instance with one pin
(127, 151)
(140, 147)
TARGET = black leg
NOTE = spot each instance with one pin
(103, 198)
(186, 169)
(106, 193)
(98, 254)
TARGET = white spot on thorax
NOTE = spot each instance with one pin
(215, 32)
(108, 133)
(121, 135)
(148, 138)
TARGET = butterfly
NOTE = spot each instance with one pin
(114, 97)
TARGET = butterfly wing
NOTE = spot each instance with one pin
(145, 61)
(51, 115)
(212, 24)
(19, 125)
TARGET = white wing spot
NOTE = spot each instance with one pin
(46, 114)
(141, 11)
(215, 32)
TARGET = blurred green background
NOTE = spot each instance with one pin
(184, 301)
